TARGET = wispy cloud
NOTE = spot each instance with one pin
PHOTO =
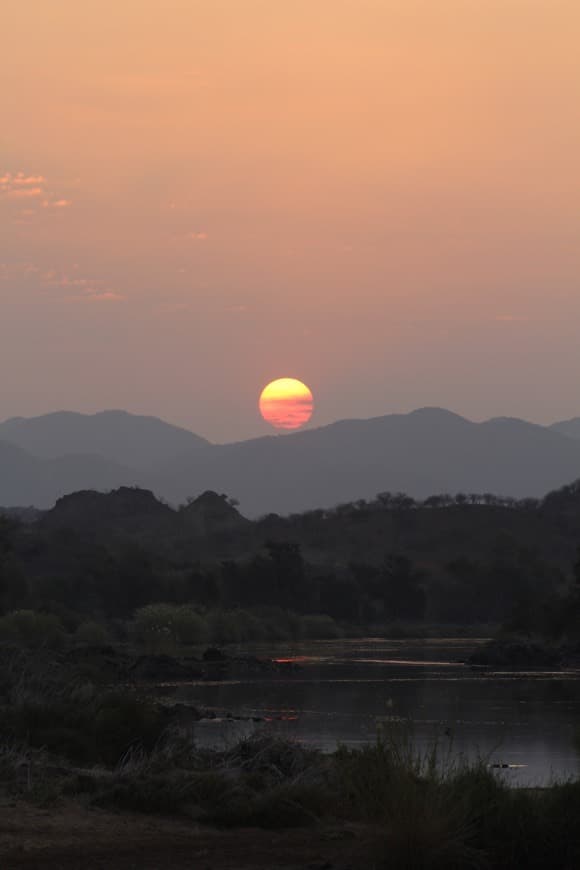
(32, 191)
(81, 289)
(60, 285)
(200, 236)
(93, 295)
(24, 192)
(9, 181)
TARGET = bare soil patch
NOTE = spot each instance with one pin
(70, 837)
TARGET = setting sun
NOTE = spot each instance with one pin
(286, 403)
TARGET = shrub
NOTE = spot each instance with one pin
(159, 626)
(235, 626)
(31, 629)
(123, 721)
(100, 728)
(223, 627)
(92, 634)
(320, 627)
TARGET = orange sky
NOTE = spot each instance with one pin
(379, 197)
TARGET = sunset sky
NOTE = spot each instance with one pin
(379, 197)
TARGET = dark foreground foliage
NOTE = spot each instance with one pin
(409, 811)
(65, 738)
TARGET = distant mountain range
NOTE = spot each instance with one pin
(127, 439)
(425, 452)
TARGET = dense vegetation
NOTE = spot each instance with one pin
(66, 735)
(401, 808)
(95, 565)
(96, 592)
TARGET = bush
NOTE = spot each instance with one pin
(320, 627)
(123, 721)
(223, 627)
(235, 626)
(92, 634)
(98, 729)
(280, 625)
(162, 626)
(34, 630)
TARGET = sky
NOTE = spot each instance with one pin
(378, 197)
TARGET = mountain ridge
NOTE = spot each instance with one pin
(118, 436)
(426, 451)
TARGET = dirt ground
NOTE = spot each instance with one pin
(69, 837)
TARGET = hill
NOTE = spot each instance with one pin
(570, 428)
(427, 451)
(430, 450)
(476, 559)
(117, 436)
(27, 480)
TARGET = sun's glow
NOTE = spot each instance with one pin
(286, 403)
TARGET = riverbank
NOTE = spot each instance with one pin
(73, 836)
(272, 803)
(114, 776)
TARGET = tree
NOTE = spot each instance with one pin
(403, 593)
(288, 573)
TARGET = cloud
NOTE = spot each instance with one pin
(9, 181)
(32, 189)
(16, 270)
(80, 289)
(24, 192)
(103, 296)
(95, 294)
(199, 236)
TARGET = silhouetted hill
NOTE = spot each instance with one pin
(127, 508)
(127, 439)
(571, 428)
(27, 480)
(210, 513)
(447, 559)
(427, 451)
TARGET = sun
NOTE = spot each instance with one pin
(286, 403)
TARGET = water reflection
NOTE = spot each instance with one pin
(526, 720)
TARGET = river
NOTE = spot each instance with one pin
(343, 689)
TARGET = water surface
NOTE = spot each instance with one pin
(344, 689)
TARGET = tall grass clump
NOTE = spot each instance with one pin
(420, 820)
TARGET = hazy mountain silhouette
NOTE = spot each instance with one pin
(428, 451)
(127, 439)
(571, 428)
(29, 480)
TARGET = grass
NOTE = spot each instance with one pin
(414, 810)
(62, 738)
